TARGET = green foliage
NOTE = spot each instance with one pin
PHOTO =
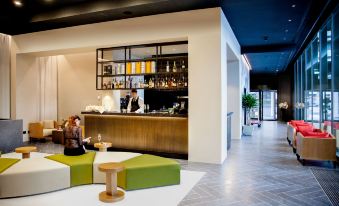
(249, 101)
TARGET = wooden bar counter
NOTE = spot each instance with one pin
(160, 133)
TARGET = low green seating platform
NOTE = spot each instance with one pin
(147, 171)
(81, 167)
(6, 163)
(47, 173)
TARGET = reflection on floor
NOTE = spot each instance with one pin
(259, 170)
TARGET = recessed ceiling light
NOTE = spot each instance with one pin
(293, 5)
(290, 20)
(17, 3)
(286, 30)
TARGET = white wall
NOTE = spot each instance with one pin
(76, 83)
(207, 32)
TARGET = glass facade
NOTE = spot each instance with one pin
(316, 82)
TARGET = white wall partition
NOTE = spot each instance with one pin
(207, 32)
(5, 83)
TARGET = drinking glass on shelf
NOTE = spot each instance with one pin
(99, 138)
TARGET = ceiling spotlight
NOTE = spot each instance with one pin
(289, 20)
(286, 30)
(293, 5)
(17, 3)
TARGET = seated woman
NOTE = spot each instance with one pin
(73, 137)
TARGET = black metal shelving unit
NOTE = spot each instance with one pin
(113, 63)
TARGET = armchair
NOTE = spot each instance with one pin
(40, 130)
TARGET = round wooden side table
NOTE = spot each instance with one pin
(102, 146)
(112, 194)
(26, 151)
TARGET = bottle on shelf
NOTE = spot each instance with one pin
(167, 67)
(113, 83)
(185, 82)
(145, 84)
(148, 67)
(133, 67)
(166, 82)
(130, 82)
(153, 66)
(138, 68)
(183, 66)
(122, 70)
(118, 69)
(175, 69)
(150, 83)
(143, 65)
(174, 83)
(129, 68)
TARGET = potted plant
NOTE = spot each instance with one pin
(248, 103)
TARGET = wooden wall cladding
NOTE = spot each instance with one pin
(158, 134)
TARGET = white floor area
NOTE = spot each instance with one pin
(89, 195)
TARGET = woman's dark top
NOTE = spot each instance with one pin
(73, 141)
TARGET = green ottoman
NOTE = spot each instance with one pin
(147, 171)
(81, 167)
(6, 163)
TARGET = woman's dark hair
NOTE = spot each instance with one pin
(134, 91)
(76, 117)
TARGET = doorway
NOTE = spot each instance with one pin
(267, 104)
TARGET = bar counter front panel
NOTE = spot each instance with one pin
(152, 133)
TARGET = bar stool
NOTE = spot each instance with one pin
(112, 194)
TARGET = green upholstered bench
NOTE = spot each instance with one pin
(6, 163)
(81, 167)
(147, 171)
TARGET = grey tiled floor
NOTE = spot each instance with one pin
(259, 170)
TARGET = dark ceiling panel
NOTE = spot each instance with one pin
(264, 28)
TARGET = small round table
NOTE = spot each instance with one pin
(102, 146)
(26, 151)
(112, 194)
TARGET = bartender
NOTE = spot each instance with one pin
(136, 103)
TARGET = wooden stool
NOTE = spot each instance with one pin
(102, 146)
(112, 194)
(26, 151)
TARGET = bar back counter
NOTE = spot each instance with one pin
(162, 134)
(10, 134)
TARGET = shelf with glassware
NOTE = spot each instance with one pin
(157, 72)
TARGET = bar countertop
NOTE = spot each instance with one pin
(136, 114)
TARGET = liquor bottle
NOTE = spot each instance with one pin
(174, 83)
(166, 83)
(146, 84)
(118, 69)
(129, 68)
(122, 70)
(170, 82)
(162, 83)
(185, 82)
(113, 83)
(183, 66)
(133, 67)
(148, 67)
(143, 65)
(130, 82)
(175, 67)
(150, 83)
(153, 66)
(138, 68)
(167, 67)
